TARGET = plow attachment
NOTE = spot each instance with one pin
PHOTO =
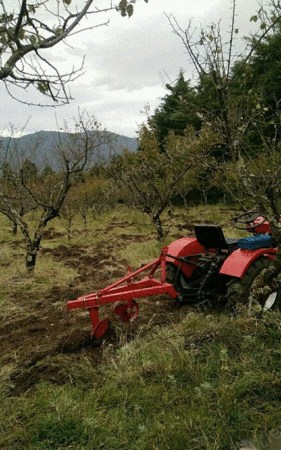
(123, 293)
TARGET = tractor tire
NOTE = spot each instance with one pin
(171, 274)
(239, 290)
(171, 271)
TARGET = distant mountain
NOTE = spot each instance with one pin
(40, 147)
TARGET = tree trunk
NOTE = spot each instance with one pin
(31, 255)
(69, 229)
(15, 228)
(205, 196)
(84, 216)
(185, 200)
(157, 223)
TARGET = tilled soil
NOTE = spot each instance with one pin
(31, 340)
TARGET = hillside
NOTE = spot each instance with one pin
(40, 147)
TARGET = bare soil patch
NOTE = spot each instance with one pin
(34, 341)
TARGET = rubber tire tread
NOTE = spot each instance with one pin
(171, 270)
(238, 290)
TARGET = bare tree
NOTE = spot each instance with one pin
(27, 29)
(47, 194)
(68, 212)
(10, 180)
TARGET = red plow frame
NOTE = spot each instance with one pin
(123, 293)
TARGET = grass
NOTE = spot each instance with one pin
(143, 254)
(203, 381)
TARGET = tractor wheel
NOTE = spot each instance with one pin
(239, 290)
(171, 271)
(181, 284)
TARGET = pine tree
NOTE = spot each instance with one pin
(177, 110)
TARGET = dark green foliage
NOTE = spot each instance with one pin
(264, 68)
(208, 95)
(55, 432)
(260, 78)
(177, 111)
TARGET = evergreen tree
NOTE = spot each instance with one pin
(177, 110)
(264, 74)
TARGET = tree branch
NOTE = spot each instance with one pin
(255, 46)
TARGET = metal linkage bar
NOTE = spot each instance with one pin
(118, 292)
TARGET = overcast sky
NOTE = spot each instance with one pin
(127, 64)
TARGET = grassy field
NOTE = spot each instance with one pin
(173, 379)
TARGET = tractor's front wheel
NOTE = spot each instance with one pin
(252, 284)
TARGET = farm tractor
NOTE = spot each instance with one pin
(206, 268)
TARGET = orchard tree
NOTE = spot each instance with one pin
(10, 184)
(28, 29)
(10, 179)
(91, 195)
(226, 177)
(47, 194)
(153, 177)
(102, 195)
(69, 211)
